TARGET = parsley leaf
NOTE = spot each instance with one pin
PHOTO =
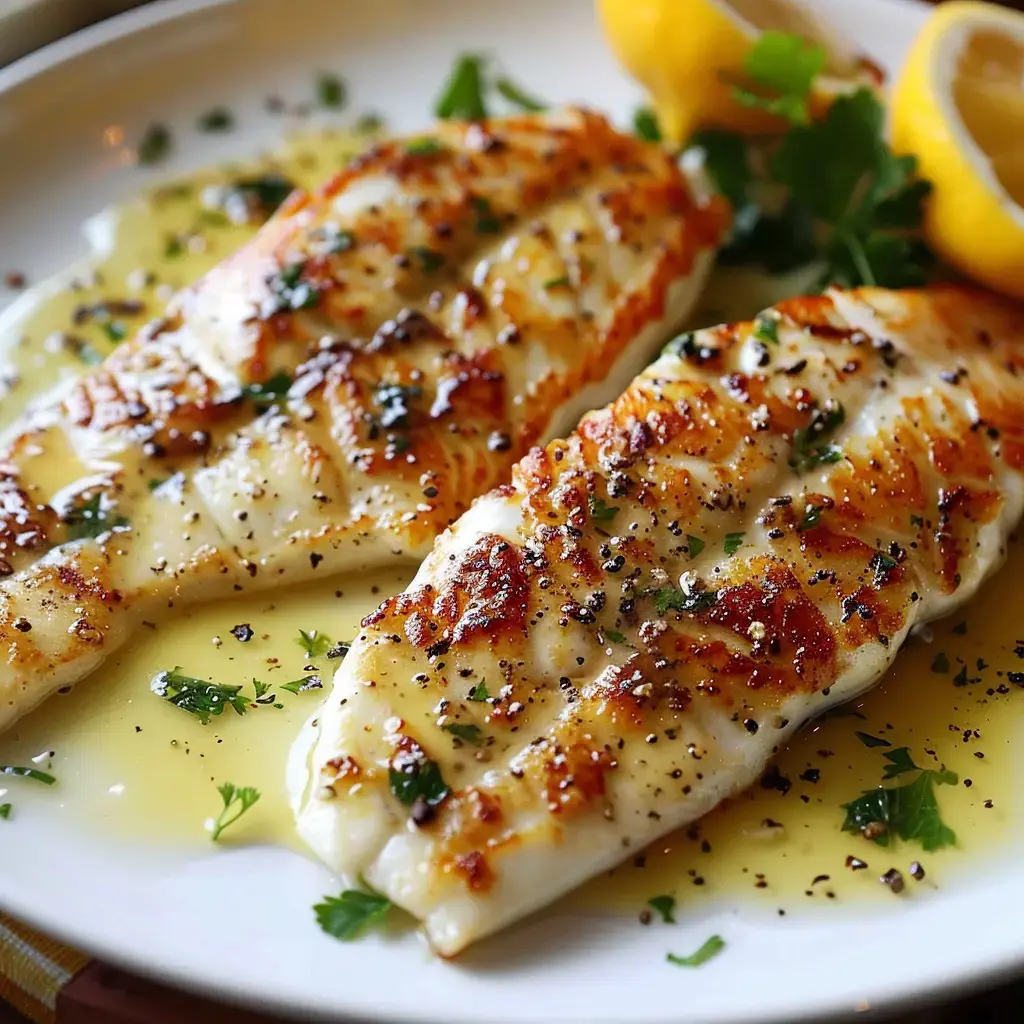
(425, 146)
(810, 447)
(782, 68)
(672, 598)
(303, 685)
(708, 951)
(198, 696)
(345, 916)
(517, 96)
(91, 517)
(600, 510)
(5, 811)
(314, 643)
(694, 545)
(900, 762)
(237, 800)
(766, 328)
(557, 282)
(615, 636)
(872, 741)
(487, 221)
(645, 124)
(257, 197)
(479, 692)
(330, 91)
(811, 517)
(269, 392)
(394, 400)
(733, 542)
(468, 733)
(910, 812)
(27, 773)
(665, 906)
(416, 777)
(429, 259)
(463, 94)
(290, 291)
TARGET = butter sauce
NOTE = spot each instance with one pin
(131, 765)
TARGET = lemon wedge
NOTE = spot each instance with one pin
(958, 106)
(688, 54)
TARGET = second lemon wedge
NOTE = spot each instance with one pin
(958, 106)
(688, 54)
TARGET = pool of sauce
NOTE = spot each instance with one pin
(131, 765)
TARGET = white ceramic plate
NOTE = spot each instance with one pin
(238, 924)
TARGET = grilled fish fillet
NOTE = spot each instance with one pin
(336, 393)
(605, 648)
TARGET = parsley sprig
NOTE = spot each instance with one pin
(237, 800)
(346, 916)
(473, 83)
(851, 204)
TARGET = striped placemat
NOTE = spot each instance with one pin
(33, 970)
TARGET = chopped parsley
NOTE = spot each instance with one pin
(425, 146)
(872, 741)
(5, 811)
(269, 392)
(367, 124)
(708, 951)
(216, 119)
(28, 773)
(900, 762)
(303, 685)
(330, 91)
(469, 733)
(91, 517)
(154, 145)
(346, 916)
(314, 643)
(665, 906)
(810, 444)
(428, 259)
(479, 692)
(940, 663)
(173, 248)
(198, 697)
(487, 222)
(733, 542)
(909, 812)
(645, 124)
(462, 96)
(557, 282)
(237, 800)
(811, 517)
(257, 197)
(882, 564)
(290, 291)
(615, 636)
(766, 328)
(673, 599)
(393, 401)
(694, 545)
(517, 96)
(415, 777)
(115, 331)
(600, 510)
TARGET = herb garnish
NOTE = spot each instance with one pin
(478, 692)
(330, 91)
(708, 951)
(766, 328)
(645, 125)
(872, 741)
(557, 282)
(810, 447)
(810, 518)
(425, 146)
(269, 392)
(115, 331)
(5, 811)
(258, 196)
(429, 259)
(216, 119)
(615, 636)
(198, 697)
(314, 643)
(694, 545)
(28, 773)
(91, 517)
(517, 96)
(882, 564)
(463, 94)
(290, 291)
(487, 222)
(394, 400)
(672, 598)
(600, 510)
(413, 776)
(237, 800)
(469, 733)
(852, 204)
(154, 145)
(345, 916)
(303, 685)
(910, 811)
(733, 542)
(665, 906)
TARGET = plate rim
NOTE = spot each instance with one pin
(923, 993)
